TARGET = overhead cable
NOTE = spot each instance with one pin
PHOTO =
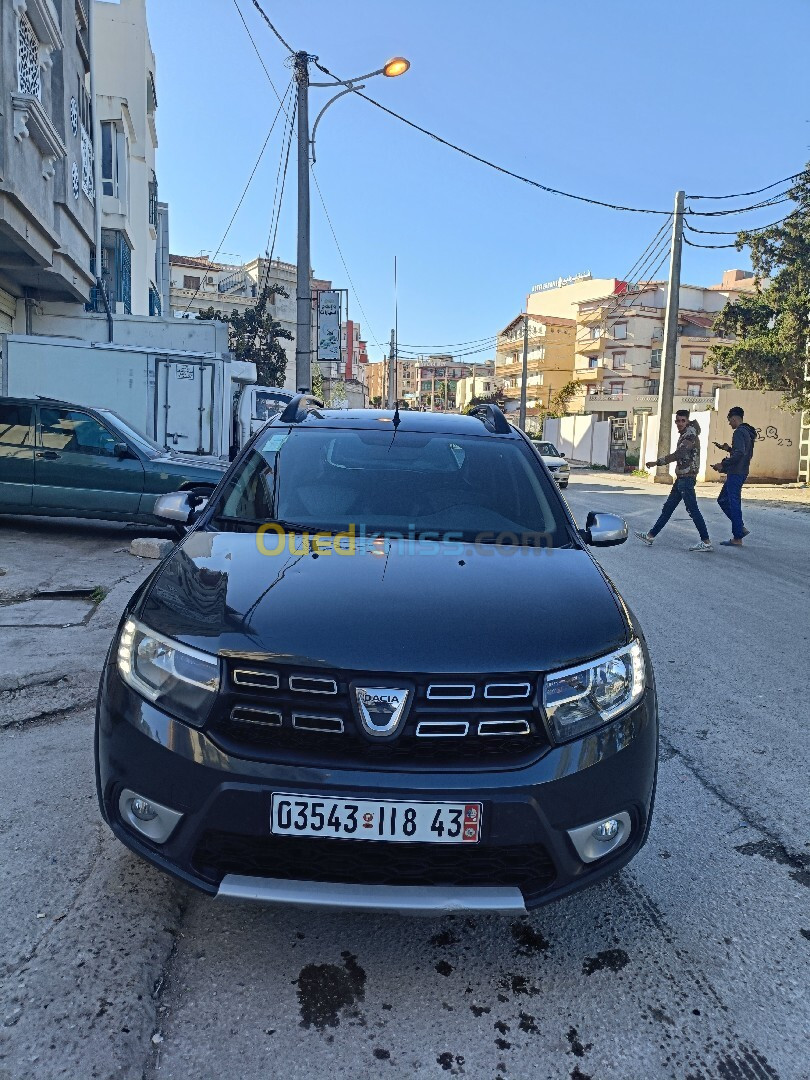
(238, 205)
(342, 259)
(276, 211)
(736, 232)
(256, 49)
(266, 18)
(743, 194)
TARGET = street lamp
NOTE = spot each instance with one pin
(397, 65)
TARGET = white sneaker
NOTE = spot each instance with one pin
(645, 538)
(704, 545)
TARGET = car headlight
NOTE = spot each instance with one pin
(182, 680)
(581, 699)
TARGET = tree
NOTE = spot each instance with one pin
(559, 402)
(769, 328)
(254, 335)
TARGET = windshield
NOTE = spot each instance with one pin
(416, 484)
(547, 449)
(142, 442)
(266, 404)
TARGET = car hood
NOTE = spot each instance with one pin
(437, 607)
(555, 461)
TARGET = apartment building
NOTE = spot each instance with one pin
(134, 223)
(428, 383)
(550, 358)
(481, 384)
(47, 196)
(197, 283)
(620, 341)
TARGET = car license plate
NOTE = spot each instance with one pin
(372, 819)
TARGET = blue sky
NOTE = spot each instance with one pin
(624, 103)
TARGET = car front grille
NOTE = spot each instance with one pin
(307, 717)
(527, 866)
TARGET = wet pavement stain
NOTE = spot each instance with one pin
(326, 989)
(531, 941)
(450, 1063)
(804, 933)
(502, 1044)
(518, 984)
(609, 959)
(444, 968)
(502, 1026)
(479, 1010)
(778, 853)
(444, 939)
(578, 1074)
(382, 1055)
(578, 1048)
(526, 1022)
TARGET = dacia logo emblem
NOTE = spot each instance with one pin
(381, 709)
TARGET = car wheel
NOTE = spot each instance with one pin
(563, 483)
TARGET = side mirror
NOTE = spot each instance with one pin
(121, 450)
(179, 506)
(604, 530)
(562, 455)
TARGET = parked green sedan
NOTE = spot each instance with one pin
(64, 460)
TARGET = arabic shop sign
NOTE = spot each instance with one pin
(560, 281)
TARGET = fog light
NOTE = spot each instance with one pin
(606, 830)
(142, 809)
(150, 818)
(598, 839)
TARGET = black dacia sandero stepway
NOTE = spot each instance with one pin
(381, 671)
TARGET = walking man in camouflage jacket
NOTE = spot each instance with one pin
(687, 466)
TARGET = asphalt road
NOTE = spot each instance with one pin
(690, 964)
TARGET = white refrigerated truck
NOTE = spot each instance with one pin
(195, 402)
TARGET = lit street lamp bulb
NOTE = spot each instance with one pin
(397, 65)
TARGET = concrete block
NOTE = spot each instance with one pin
(150, 547)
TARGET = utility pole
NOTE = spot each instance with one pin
(392, 371)
(522, 414)
(303, 290)
(669, 366)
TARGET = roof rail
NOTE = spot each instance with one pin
(492, 418)
(299, 407)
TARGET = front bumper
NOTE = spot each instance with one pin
(223, 846)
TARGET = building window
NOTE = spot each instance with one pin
(593, 362)
(616, 389)
(191, 282)
(619, 361)
(116, 268)
(658, 333)
(693, 389)
(113, 161)
(154, 301)
(653, 386)
(620, 330)
(28, 72)
(655, 358)
(153, 200)
(596, 333)
(696, 361)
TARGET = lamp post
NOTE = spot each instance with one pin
(397, 65)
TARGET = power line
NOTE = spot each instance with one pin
(485, 161)
(736, 232)
(270, 248)
(452, 344)
(342, 259)
(266, 18)
(743, 194)
(238, 205)
(256, 48)
(692, 243)
(781, 197)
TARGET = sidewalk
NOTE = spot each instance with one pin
(797, 496)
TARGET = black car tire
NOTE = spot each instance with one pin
(563, 483)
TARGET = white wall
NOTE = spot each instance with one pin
(580, 438)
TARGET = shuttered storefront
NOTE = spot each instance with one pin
(8, 306)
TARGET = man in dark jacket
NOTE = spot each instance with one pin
(735, 467)
(687, 467)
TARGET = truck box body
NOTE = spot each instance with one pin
(182, 399)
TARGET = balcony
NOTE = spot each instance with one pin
(631, 401)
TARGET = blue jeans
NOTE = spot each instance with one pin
(730, 502)
(683, 490)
